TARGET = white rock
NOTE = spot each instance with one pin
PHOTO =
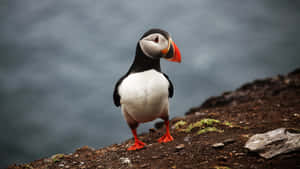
(125, 160)
(273, 143)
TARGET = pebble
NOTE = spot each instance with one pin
(155, 157)
(187, 139)
(200, 113)
(296, 115)
(47, 160)
(229, 141)
(180, 147)
(67, 166)
(125, 160)
(239, 154)
(61, 165)
(203, 162)
(285, 119)
(76, 155)
(144, 165)
(218, 145)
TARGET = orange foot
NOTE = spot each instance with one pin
(165, 138)
(137, 145)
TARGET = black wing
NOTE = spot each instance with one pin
(171, 87)
(117, 97)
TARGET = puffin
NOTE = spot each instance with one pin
(143, 92)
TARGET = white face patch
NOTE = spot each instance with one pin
(152, 45)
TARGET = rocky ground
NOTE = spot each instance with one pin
(210, 136)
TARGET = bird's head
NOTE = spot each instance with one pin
(157, 43)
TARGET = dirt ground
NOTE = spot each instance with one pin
(255, 107)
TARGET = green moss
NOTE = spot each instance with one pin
(209, 122)
(57, 157)
(191, 126)
(179, 124)
(209, 129)
(200, 124)
(226, 123)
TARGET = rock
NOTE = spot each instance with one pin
(229, 141)
(274, 143)
(180, 147)
(125, 160)
(155, 157)
(218, 145)
(144, 165)
(187, 139)
(61, 165)
(47, 160)
(200, 113)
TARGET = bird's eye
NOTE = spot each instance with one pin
(156, 39)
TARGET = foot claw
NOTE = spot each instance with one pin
(166, 138)
(137, 145)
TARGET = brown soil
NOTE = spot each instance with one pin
(254, 108)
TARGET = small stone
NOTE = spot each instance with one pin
(179, 147)
(229, 141)
(218, 145)
(155, 157)
(67, 166)
(285, 119)
(76, 155)
(245, 135)
(81, 163)
(187, 139)
(239, 154)
(125, 160)
(61, 165)
(47, 160)
(200, 113)
(203, 162)
(144, 165)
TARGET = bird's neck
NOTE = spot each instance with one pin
(142, 62)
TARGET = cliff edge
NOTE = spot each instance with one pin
(212, 135)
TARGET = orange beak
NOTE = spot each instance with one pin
(176, 54)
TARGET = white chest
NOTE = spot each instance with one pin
(144, 95)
